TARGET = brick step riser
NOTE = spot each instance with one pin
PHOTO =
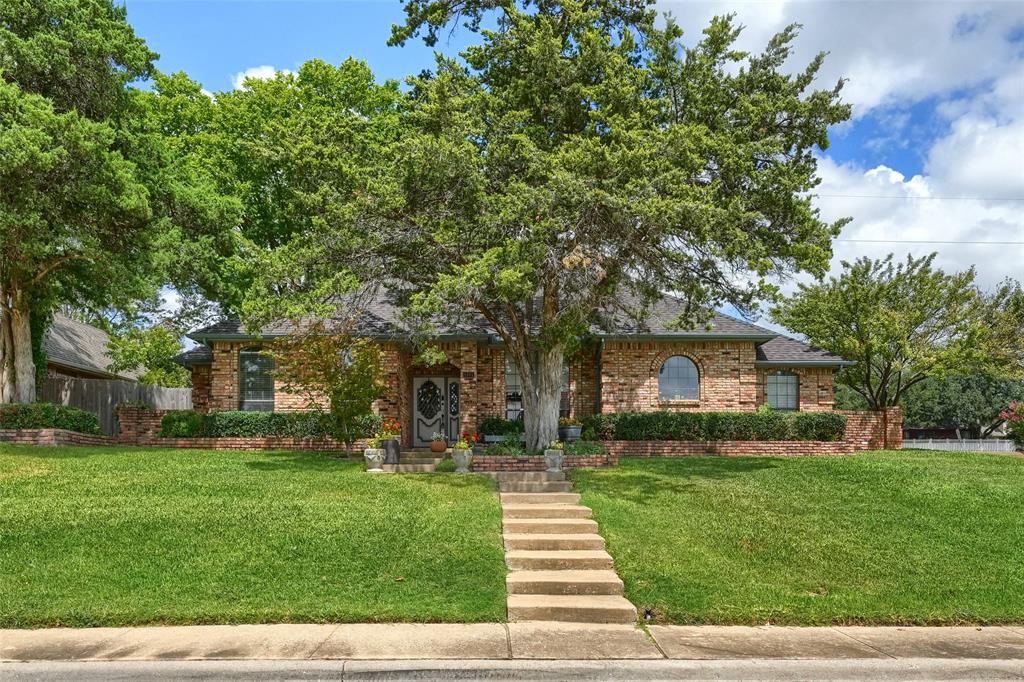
(554, 544)
(540, 498)
(539, 512)
(558, 526)
(539, 487)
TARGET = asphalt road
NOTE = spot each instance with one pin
(749, 669)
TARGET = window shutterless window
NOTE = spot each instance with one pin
(783, 390)
(513, 390)
(679, 379)
(256, 384)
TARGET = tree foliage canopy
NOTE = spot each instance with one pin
(902, 323)
(579, 159)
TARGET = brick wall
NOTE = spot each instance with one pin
(201, 388)
(136, 425)
(52, 437)
(629, 375)
(864, 431)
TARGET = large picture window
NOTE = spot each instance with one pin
(783, 391)
(679, 379)
(256, 382)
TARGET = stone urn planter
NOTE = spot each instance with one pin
(462, 459)
(374, 459)
(553, 460)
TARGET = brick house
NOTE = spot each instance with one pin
(628, 366)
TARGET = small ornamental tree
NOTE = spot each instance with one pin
(902, 323)
(337, 368)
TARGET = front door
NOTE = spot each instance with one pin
(435, 409)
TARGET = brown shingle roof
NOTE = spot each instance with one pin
(80, 346)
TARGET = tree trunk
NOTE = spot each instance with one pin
(17, 369)
(542, 392)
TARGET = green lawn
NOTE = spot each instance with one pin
(882, 537)
(118, 536)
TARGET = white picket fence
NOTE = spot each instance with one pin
(960, 445)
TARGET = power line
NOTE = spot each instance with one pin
(883, 196)
(927, 241)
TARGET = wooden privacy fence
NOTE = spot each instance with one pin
(102, 396)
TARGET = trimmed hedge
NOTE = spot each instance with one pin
(496, 426)
(238, 424)
(48, 416)
(713, 426)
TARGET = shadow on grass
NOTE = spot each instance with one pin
(304, 460)
(641, 480)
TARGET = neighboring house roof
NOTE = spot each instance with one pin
(81, 347)
(379, 317)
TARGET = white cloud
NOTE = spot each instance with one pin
(263, 72)
(893, 53)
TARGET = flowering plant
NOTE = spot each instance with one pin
(470, 437)
(438, 437)
(1014, 417)
(556, 445)
(389, 429)
(461, 445)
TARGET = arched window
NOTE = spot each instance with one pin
(256, 384)
(783, 390)
(679, 379)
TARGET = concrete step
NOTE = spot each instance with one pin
(550, 525)
(535, 486)
(563, 582)
(404, 468)
(545, 511)
(553, 541)
(528, 476)
(540, 498)
(558, 560)
(571, 608)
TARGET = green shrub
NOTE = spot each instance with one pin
(712, 426)
(48, 416)
(181, 424)
(445, 466)
(238, 424)
(496, 426)
(584, 447)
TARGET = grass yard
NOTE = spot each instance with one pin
(903, 537)
(122, 536)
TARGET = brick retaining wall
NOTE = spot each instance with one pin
(52, 437)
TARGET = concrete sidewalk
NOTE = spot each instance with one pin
(495, 641)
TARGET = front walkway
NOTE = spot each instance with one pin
(496, 641)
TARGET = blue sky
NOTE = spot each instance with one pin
(934, 152)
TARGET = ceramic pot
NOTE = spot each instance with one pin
(438, 446)
(569, 434)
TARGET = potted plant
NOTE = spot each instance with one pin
(374, 455)
(462, 456)
(387, 436)
(553, 456)
(438, 443)
(569, 429)
(474, 442)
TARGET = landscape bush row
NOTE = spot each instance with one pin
(237, 424)
(712, 426)
(48, 416)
